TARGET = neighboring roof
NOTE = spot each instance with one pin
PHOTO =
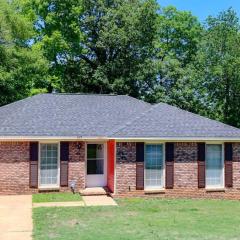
(110, 116)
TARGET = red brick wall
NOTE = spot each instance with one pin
(125, 167)
(185, 165)
(236, 166)
(76, 169)
(185, 173)
(14, 168)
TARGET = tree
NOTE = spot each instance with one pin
(97, 45)
(178, 36)
(21, 67)
(218, 67)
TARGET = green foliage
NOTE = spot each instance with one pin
(99, 46)
(125, 47)
(21, 67)
(218, 67)
(178, 36)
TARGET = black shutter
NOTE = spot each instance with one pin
(64, 159)
(33, 168)
(228, 157)
(140, 166)
(201, 165)
(169, 156)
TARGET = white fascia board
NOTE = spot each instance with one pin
(50, 138)
(131, 139)
(178, 139)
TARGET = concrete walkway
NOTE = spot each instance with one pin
(59, 204)
(16, 217)
(99, 201)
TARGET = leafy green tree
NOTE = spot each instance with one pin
(21, 67)
(121, 46)
(178, 36)
(97, 45)
(218, 67)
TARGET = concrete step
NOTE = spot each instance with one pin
(95, 191)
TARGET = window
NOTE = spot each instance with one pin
(214, 165)
(95, 158)
(48, 164)
(154, 166)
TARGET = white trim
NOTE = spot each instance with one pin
(210, 187)
(52, 138)
(49, 187)
(178, 139)
(135, 139)
(54, 186)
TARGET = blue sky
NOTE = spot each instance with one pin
(203, 8)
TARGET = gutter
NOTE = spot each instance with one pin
(104, 138)
(50, 138)
(178, 139)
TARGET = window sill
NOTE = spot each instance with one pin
(154, 191)
(215, 189)
(46, 188)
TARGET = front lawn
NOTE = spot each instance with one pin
(55, 197)
(155, 219)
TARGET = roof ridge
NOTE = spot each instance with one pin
(88, 94)
(134, 119)
(139, 100)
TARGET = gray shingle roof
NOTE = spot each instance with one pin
(68, 115)
(81, 115)
(163, 120)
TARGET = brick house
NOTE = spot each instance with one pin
(58, 141)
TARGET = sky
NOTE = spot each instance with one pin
(203, 8)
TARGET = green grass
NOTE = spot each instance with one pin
(141, 219)
(55, 197)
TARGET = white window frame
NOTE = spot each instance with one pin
(223, 167)
(50, 186)
(163, 169)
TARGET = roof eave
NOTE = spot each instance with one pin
(102, 138)
(179, 139)
(51, 138)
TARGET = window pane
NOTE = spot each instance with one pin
(95, 167)
(214, 165)
(154, 166)
(49, 164)
(91, 150)
(95, 159)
